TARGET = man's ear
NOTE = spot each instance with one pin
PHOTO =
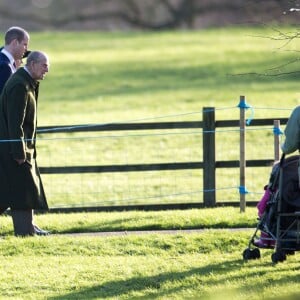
(15, 42)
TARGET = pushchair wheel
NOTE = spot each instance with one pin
(251, 253)
(278, 256)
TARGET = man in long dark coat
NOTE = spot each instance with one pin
(20, 181)
(16, 41)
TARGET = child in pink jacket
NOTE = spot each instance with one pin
(265, 241)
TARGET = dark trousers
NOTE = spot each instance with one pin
(22, 221)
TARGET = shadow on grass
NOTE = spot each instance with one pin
(153, 286)
(142, 77)
(149, 227)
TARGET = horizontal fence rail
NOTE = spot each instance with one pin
(209, 164)
(152, 126)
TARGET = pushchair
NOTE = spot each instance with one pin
(281, 219)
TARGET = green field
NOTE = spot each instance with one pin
(198, 265)
(113, 77)
(100, 78)
(182, 266)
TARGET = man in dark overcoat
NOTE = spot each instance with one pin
(20, 181)
(16, 41)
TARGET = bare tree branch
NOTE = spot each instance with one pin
(266, 74)
(285, 64)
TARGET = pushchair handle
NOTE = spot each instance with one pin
(282, 159)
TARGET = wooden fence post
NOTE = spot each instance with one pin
(276, 140)
(209, 157)
(242, 106)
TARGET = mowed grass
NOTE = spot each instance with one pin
(222, 217)
(204, 264)
(100, 78)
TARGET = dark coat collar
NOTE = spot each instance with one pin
(22, 72)
(4, 58)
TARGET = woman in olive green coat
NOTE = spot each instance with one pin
(20, 182)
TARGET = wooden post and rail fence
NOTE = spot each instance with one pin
(208, 165)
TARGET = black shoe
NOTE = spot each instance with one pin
(39, 231)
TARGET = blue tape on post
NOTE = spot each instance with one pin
(243, 190)
(245, 105)
(277, 131)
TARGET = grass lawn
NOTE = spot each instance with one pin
(199, 265)
(227, 217)
(205, 265)
(99, 78)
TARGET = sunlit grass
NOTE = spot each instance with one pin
(205, 265)
(222, 217)
(100, 78)
(124, 76)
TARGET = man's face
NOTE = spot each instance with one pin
(39, 69)
(20, 47)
